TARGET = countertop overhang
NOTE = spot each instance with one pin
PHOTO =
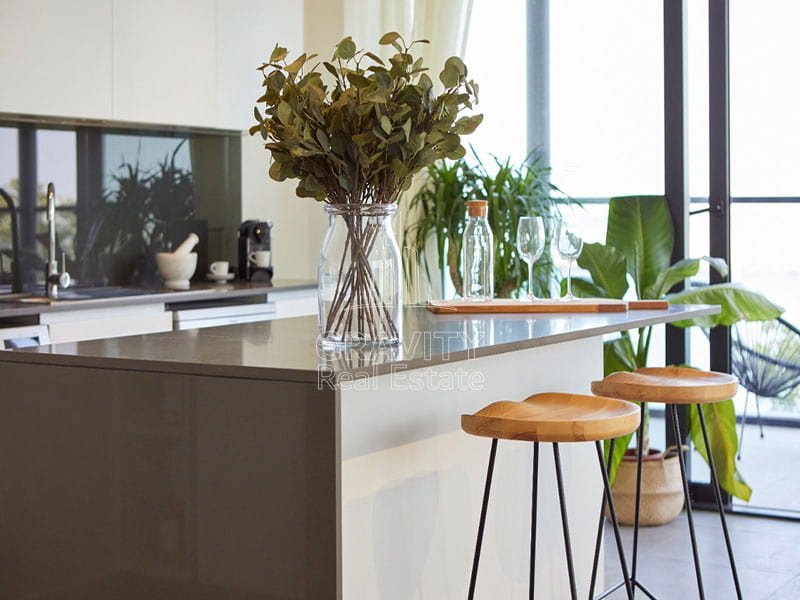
(286, 349)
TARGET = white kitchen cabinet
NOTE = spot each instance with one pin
(294, 303)
(247, 31)
(55, 58)
(103, 323)
(165, 61)
(179, 62)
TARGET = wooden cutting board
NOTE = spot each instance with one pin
(579, 305)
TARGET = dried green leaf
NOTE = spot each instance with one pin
(358, 81)
(346, 49)
(388, 38)
(296, 65)
(466, 125)
(284, 113)
(278, 53)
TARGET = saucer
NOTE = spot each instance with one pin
(221, 278)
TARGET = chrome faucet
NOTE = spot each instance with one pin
(54, 279)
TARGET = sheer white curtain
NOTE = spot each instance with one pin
(445, 23)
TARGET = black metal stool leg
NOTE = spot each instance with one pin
(482, 522)
(565, 523)
(598, 540)
(672, 410)
(638, 501)
(534, 502)
(720, 509)
(613, 514)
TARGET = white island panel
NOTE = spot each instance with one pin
(412, 481)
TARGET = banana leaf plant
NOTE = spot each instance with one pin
(438, 212)
(639, 241)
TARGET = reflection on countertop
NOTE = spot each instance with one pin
(286, 349)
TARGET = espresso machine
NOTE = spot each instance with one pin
(255, 251)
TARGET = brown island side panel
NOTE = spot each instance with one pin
(134, 484)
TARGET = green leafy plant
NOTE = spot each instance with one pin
(362, 138)
(437, 211)
(640, 238)
(358, 140)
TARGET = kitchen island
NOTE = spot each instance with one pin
(243, 462)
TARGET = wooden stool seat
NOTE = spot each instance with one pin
(554, 417)
(668, 385)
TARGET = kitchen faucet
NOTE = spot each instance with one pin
(16, 276)
(54, 280)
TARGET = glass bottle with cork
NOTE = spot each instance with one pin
(478, 253)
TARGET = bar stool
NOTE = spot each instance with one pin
(556, 418)
(673, 386)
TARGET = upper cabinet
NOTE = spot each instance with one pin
(247, 30)
(172, 62)
(55, 58)
(165, 61)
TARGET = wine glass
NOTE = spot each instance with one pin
(569, 244)
(530, 245)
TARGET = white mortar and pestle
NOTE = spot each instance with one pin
(177, 267)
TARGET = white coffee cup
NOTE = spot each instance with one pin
(260, 258)
(219, 267)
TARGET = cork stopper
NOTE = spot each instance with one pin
(477, 208)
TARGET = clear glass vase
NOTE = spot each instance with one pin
(360, 277)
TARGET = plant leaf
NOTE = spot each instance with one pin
(388, 38)
(737, 302)
(681, 270)
(607, 267)
(582, 288)
(278, 53)
(641, 228)
(466, 125)
(346, 49)
(618, 355)
(620, 446)
(720, 419)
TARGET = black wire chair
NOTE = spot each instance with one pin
(765, 356)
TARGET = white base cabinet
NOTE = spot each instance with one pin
(102, 323)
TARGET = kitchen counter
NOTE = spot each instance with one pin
(239, 462)
(198, 292)
(286, 349)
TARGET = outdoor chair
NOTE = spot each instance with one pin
(765, 356)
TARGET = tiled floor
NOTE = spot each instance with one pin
(769, 465)
(767, 553)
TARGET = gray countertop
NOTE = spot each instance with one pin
(198, 292)
(286, 349)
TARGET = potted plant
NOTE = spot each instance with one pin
(638, 250)
(354, 143)
(512, 191)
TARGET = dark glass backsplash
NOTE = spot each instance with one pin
(122, 194)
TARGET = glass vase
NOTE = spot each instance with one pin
(360, 278)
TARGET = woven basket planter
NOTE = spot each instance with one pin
(662, 491)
